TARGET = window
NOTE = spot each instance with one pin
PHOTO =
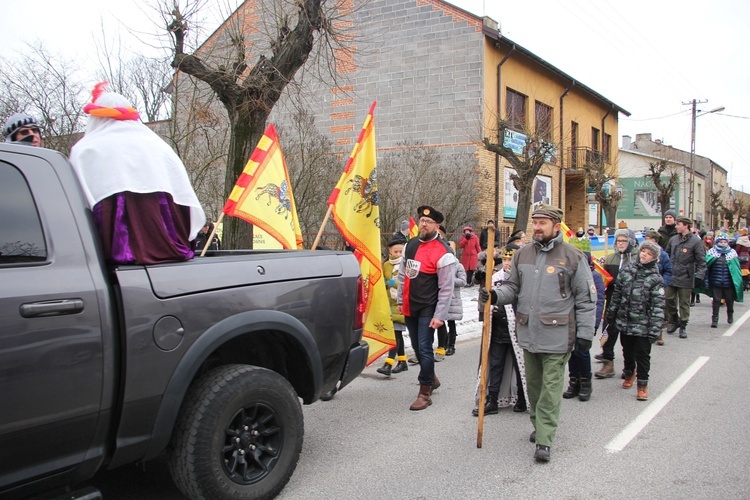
(700, 192)
(606, 148)
(595, 139)
(515, 110)
(21, 237)
(543, 121)
(574, 144)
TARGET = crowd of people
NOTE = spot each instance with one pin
(548, 302)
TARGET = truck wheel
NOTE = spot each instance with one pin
(238, 435)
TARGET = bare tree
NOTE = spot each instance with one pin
(717, 207)
(412, 174)
(249, 90)
(737, 211)
(46, 86)
(602, 182)
(527, 164)
(665, 180)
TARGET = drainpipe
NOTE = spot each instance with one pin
(604, 119)
(499, 138)
(562, 142)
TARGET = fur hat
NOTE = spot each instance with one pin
(399, 239)
(622, 232)
(430, 213)
(15, 122)
(651, 247)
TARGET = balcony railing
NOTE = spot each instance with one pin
(578, 158)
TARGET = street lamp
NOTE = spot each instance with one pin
(691, 176)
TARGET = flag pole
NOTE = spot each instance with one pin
(323, 225)
(211, 236)
(489, 267)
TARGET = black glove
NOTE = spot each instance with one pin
(582, 345)
(467, 236)
(698, 283)
(480, 277)
(490, 296)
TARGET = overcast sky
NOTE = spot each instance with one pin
(649, 57)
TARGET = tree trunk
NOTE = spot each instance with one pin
(610, 212)
(522, 212)
(246, 129)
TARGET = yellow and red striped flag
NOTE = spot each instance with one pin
(263, 195)
(356, 214)
(413, 228)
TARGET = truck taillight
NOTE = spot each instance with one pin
(359, 311)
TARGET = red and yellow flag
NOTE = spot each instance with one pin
(413, 228)
(263, 195)
(356, 214)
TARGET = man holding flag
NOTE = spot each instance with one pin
(424, 294)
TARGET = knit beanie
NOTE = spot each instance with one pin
(670, 212)
(16, 121)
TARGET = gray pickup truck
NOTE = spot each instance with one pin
(205, 360)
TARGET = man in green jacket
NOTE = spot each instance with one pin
(556, 301)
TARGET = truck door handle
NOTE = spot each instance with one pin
(51, 308)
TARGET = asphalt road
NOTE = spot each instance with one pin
(690, 440)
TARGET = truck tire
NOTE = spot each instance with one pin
(238, 435)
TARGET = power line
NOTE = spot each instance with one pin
(684, 111)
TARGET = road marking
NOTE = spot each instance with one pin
(737, 324)
(623, 438)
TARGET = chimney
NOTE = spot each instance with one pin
(643, 137)
(626, 141)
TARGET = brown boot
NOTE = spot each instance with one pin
(423, 398)
(435, 383)
(607, 371)
(642, 392)
(660, 340)
(629, 379)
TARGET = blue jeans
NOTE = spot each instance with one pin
(579, 364)
(422, 338)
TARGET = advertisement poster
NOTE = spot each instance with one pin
(541, 193)
(640, 198)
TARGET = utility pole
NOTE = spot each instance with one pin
(691, 170)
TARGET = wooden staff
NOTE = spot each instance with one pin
(489, 267)
(323, 225)
(211, 236)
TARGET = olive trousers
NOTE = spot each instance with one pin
(545, 378)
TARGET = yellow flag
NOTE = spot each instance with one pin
(357, 215)
(263, 195)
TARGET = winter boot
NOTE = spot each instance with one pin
(642, 391)
(660, 340)
(629, 379)
(730, 317)
(574, 386)
(401, 366)
(715, 320)
(585, 393)
(607, 371)
(672, 327)
(490, 406)
(520, 405)
(387, 367)
(451, 344)
(423, 398)
(683, 333)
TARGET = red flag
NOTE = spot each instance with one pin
(357, 215)
(263, 194)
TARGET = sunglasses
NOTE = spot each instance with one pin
(28, 131)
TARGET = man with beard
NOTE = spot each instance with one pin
(556, 300)
(425, 287)
(669, 228)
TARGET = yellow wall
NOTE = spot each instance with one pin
(538, 83)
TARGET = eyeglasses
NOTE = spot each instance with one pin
(427, 221)
(28, 131)
(621, 241)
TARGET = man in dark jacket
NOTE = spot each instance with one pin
(483, 235)
(688, 256)
(668, 229)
